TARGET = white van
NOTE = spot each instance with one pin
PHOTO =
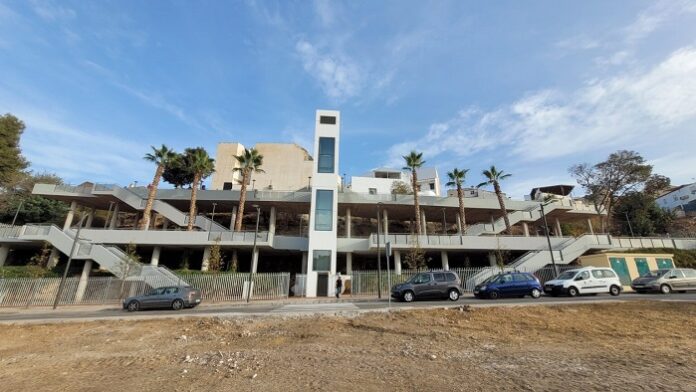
(587, 280)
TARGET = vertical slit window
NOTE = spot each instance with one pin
(326, 154)
(323, 212)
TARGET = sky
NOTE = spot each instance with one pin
(531, 87)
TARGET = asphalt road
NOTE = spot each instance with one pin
(303, 307)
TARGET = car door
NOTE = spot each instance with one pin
(677, 280)
(598, 282)
(169, 295)
(149, 301)
(506, 285)
(440, 284)
(422, 285)
(520, 284)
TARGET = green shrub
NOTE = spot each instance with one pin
(26, 271)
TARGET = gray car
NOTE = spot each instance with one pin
(428, 285)
(666, 281)
(171, 297)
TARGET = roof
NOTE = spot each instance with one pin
(561, 190)
(674, 189)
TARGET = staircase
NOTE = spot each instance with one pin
(163, 208)
(532, 214)
(111, 258)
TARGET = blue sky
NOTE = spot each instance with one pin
(532, 87)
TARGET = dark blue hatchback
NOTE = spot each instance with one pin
(509, 284)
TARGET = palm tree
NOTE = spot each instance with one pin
(162, 157)
(202, 166)
(250, 161)
(456, 177)
(414, 160)
(493, 177)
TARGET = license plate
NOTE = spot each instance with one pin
(198, 300)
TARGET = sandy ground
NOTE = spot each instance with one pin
(610, 347)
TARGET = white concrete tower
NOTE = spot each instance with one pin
(321, 263)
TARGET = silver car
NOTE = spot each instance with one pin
(666, 281)
(172, 297)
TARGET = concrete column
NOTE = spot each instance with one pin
(349, 223)
(492, 260)
(82, 284)
(114, 217)
(54, 258)
(90, 218)
(234, 217)
(304, 262)
(4, 252)
(165, 223)
(424, 226)
(397, 262)
(589, 226)
(70, 216)
(154, 260)
(559, 232)
(272, 221)
(205, 264)
(525, 228)
(255, 261)
(349, 263)
(385, 222)
(445, 260)
(459, 224)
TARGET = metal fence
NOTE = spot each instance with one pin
(227, 287)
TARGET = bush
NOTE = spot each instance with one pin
(26, 271)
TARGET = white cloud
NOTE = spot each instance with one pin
(50, 11)
(338, 75)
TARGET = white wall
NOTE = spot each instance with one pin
(678, 198)
(383, 185)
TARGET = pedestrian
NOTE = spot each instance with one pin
(339, 285)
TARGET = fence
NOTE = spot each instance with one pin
(366, 282)
(24, 292)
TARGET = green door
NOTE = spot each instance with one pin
(618, 264)
(642, 266)
(664, 263)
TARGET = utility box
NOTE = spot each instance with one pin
(629, 266)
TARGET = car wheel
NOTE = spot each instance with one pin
(133, 306)
(409, 296)
(453, 295)
(535, 293)
(177, 304)
(665, 289)
(615, 290)
(573, 292)
(493, 295)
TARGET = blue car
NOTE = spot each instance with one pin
(509, 284)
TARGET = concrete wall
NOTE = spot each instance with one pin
(287, 167)
(224, 165)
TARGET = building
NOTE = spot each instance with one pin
(629, 266)
(381, 181)
(681, 198)
(311, 231)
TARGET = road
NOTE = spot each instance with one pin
(343, 305)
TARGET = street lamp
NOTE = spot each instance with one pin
(548, 238)
(253, 184)
(444, 223)
(253, 252)
(21, 202)
(212, 218)
(379, 255)
(629, 223)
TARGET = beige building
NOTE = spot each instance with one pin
(629, 266)
(287, 167)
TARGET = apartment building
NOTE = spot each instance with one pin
(381, 181)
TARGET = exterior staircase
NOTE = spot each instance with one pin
(531, 214)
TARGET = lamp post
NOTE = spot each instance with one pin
(67, 266)
(548, 238)
(379, 255)
(444, 223)
(212, 218)
(253, 184)
(630, 228)
(253, 252)
(21, 202)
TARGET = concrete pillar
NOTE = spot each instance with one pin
(492, 260)
(525, 228)
(559, 232)
(70, 216)
(445, 260)
(205, 263)
(4, 252)
(255, 261)
(349, 263)
(424, 226)
(272, 221)
(397, 262)
(54, 258)
(234, 217)
(349, 223)
(154, 260)
(82, 284)
(385, 222)
(90, 218)
(589, 226)
(165, 223)
(114, 217)
(304, 262)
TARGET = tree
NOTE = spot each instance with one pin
(401, 188)
(162, 157)
(493, 177)
(215, 259)
(34, 208)
(178, 172)
(645, 216)
(656, 185)
(456, 177)
(12, 163)
(414, 160)
(250, 162)
(131, 261)
(605, 182)
(202, 166)
(415, 257)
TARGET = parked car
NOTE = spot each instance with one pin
(587, 280)
(424, 285)
(509, 284)
(666, 281)
(172, 297)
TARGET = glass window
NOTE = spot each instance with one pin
(157, 291)
(372, 191)
(322, 260)
(519, 278)
(677, 274)
(505, 279)
(689, 273)
(331, 120)
(422, 278)
(323, 212)
(451, 277)
(585, 275)
(598, 274)
(171, 290)
(609, 274)
(439, 277)
(326, 154)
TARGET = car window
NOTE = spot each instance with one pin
(172, 290)
(677, 274)
(519, 278)
(157, 291)
(439, 277)
(567, 275)
(584, 275)
(609, 274)
(422, 278)
(452, 277)
(598, 274)
(505, 279)
(689, 273)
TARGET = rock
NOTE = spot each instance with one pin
(433, 356)
(183, 337)
(185, 371)
(254, 376)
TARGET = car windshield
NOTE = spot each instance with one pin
(655, 274)
(567, 275)
(491, 279)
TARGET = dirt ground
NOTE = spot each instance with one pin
(610, 347)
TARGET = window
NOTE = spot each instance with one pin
(326, 154)
(598, 274)
(171, 290)
(676, 274)
(689, 273)
(505, 279)
(432, 186)
(451, 277)
(157, 291)
(372, 191)
(331, 120)
(226, 186)
(609, 274)
(519, 278)
(584, 275)
(323, 212)
(321, 260)
(422, 278)
(439, 277)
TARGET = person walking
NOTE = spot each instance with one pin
(339, 286)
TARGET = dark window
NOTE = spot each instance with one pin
(451, 277)
(322, 260)
(331, 120)
(323, 218)
(439, 277)
(171, 290)
(677, 273)
(372, 191)
(598, 274)
(422, 278)
(226, 186)
(609, 274)
(519, 278)
(432, 187)
(326, 154)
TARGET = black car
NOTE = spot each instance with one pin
(172, 297)
(428, 285)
